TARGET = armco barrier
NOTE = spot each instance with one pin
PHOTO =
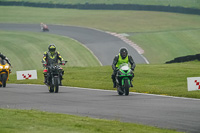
(106, 7)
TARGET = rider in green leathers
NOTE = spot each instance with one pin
(123, 57)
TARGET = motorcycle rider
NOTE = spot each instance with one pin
(52, 57)
(123, 57)
(43, 26)
(3, 57)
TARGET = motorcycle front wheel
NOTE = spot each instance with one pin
(4, 79)
(126, 87)
(56, 84)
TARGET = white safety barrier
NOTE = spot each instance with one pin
(28, 74)
(193, 83)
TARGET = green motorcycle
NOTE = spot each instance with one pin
(123, 79)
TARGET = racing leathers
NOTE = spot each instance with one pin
(48, 59)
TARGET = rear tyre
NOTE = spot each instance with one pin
(126, 87)
(4, 79)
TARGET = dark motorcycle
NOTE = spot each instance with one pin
(123, 79)
(54, 74)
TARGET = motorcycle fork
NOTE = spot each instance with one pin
(124, 79)
(53, 79)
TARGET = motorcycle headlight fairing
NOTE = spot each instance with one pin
(6, 67)
(1, 67)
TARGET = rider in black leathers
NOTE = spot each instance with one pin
(52, 57)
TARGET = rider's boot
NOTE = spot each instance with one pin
(131, 84)
(61, 78)
(114, 81)
(45, 79)
(114, 85)
(132, 80)
(60, 83)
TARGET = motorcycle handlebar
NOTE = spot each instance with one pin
(44, 64)
(63, 63)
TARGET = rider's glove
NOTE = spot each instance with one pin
(63, 62)
(132, 69)
(9, 64)
(45, 64)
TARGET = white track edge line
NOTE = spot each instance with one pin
(81, 88)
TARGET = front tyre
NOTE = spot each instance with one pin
(56, 84)
(4, 79)
(126, 87)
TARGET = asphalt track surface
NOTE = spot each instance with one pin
(182, 114)
(104, 46)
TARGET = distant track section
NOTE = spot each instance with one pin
(103, 45)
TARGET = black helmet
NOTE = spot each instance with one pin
(123, 52)
(52, 48)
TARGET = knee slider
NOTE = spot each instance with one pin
(45, 71)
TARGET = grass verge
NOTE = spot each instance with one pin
(32, 121)
(115, 20)
(167, 45)
(163, 79)
(25, 49)
(163, 36)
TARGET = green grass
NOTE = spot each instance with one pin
(166, 79)
(165, 46)
(163, 79)
(181, 3)
(25, 49)
(158, 33)
(114, 21)
(32, 121)
(157, 78)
